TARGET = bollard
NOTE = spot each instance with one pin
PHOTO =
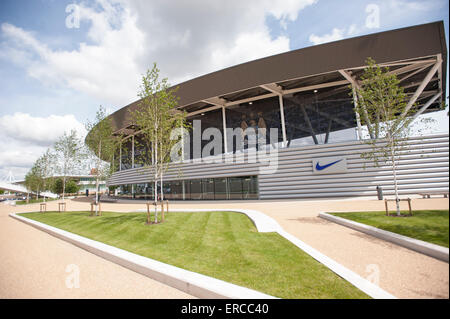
(380, 192)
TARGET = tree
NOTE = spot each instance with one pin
(72, 187)
(33, 182)
(44, 168)
(102, 143)
(57, 186)
(383, 107)
(156, 118)
(68, 156)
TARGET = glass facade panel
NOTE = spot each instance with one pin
(196, 189)
(208, 188)
(244, 187)
(142, 152)
(321, 117)
(144, 191)
(220, 188)
(212, 119)
(235, 187)
(250, 187)
(262, 114)
(126, 154)
(173, 190)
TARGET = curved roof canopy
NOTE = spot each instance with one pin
(417, 54)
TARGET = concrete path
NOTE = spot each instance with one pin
(33, 264)
(401, 272)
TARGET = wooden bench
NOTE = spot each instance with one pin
(43, 207)
(61, 207)
(428, 194)
(400, 200)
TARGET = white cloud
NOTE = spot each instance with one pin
(248, 47)
(24, 138)
(185, 38)
(124, 38)
(336, 34)
(106, 70)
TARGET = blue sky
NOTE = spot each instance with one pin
(53, 78)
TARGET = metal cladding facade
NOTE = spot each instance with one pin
(330, 169)
(423, 167)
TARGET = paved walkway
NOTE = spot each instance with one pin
(402, 272)
(33, 265)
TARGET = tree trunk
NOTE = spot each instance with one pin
(64, 187)
(156, 184)
(394, 171)
(96, 180)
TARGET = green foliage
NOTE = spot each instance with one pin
(2, 191)
(72, 187)
(37, 179)
(69, 156)
(157, 119)
(383, 107)
(102, 143)
(57, 186)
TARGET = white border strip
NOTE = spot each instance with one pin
(264, 223)
(190, 282)
(429, 249)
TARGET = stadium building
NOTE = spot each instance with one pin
(305, 95)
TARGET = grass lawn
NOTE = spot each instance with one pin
(33, 201)
(426, 225)
(223, 245)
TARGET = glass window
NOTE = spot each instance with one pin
(126, 154)
(321, 117)
(235, 187)
(262, 114)
(196, 189)
(250, 187)
(125, 191)
(173, 190)
(142, 151)
(220, 188)
(211, 119)
(208, 188)
(143, 191)
(187, 189)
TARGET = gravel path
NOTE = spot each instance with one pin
(33, 263)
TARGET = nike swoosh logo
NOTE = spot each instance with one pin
(319, 167)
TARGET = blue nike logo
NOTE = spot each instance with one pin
(319, 167)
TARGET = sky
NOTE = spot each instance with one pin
(61, 59)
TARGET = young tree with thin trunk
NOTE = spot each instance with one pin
(102, 143)
(382, 106)
(69, 156)
(156, 118)
(33, 181)
(44, 168)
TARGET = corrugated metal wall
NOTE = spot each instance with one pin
(424, 166)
